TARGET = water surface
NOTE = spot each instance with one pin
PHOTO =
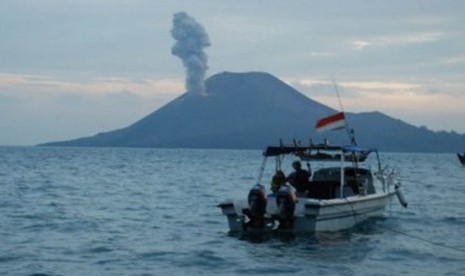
(107, 211)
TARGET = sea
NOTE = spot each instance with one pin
(126, 211)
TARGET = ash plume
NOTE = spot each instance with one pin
(191, 39)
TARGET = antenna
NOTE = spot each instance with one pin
(350, 132)
(338, 96)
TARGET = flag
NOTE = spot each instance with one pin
(332, 122)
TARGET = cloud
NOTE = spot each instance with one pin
(29, 85)
(381, 85)
(37, 108)
(354, 88)
(360, 44)
(418, 102)
(452, 60)
(396, 40)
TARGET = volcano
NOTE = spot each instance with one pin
(254, 109)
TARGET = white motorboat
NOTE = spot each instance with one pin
(326, 205)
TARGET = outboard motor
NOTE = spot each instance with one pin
(285, 201)
(257, 207)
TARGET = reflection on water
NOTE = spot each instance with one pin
(351, 245)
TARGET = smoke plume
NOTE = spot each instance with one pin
(191, 38)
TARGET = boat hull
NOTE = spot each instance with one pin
(461, 158)
(313, 215)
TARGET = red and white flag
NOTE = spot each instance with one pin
(332, 122)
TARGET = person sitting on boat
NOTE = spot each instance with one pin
(277, 181)
(299, 179)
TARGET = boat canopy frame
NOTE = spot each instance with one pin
(289, 149)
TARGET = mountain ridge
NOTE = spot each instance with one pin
(254, 109)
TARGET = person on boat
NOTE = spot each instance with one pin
(277, 181)
(299, 179)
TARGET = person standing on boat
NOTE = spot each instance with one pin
(299, 179)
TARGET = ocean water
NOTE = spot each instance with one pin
(107, 211)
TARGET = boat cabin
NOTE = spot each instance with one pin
(326, 183)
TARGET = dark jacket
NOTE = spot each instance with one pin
(300, 180)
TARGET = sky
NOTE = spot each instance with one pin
(75, 68)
